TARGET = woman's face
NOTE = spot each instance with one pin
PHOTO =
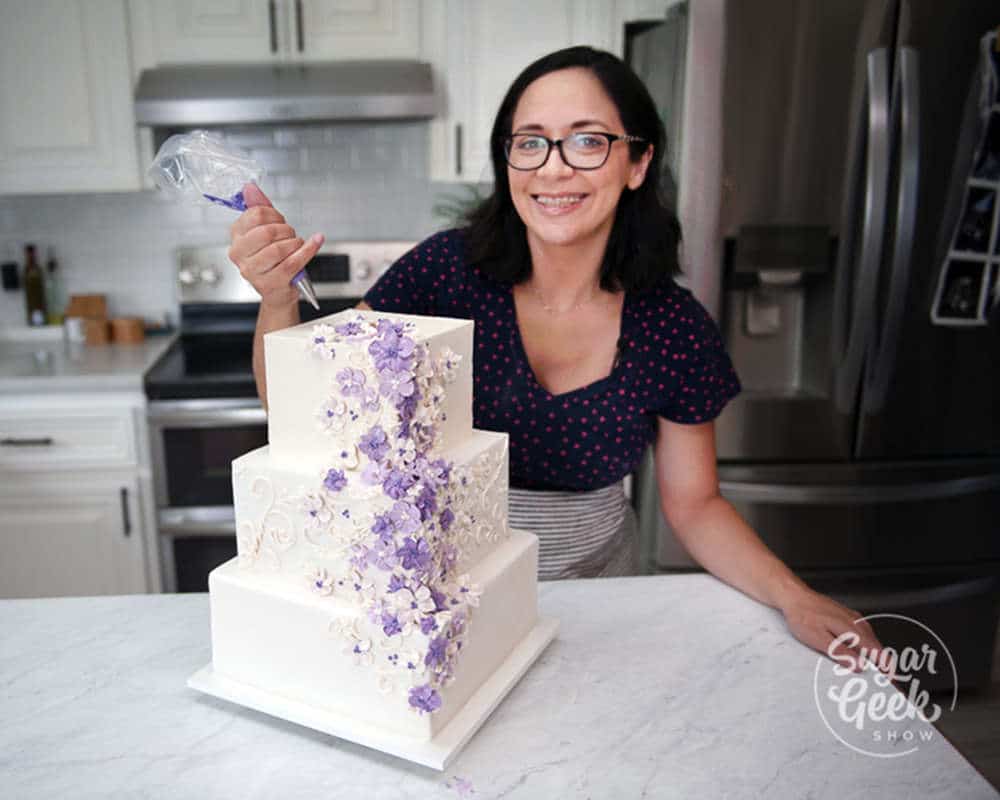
(556, 105)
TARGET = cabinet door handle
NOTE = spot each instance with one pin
(10, 441)
(272, 14)
(300, 31)
(126, 518)
(458, 148)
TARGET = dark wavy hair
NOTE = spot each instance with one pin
(642, 247)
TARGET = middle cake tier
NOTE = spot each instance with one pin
(421, 517)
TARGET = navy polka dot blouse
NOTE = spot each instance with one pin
(671, 363)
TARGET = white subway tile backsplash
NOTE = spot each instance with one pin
(330, 157)
(348, 181)
(263, 137)
(276, 160)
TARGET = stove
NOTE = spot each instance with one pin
(203, 407)
(218, 311)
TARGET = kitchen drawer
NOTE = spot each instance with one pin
(33, 440)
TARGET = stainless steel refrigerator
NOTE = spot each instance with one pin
(840, 209)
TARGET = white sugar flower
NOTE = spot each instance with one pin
(346, 457)
(361, 650)
(321, 340)
(406, 453)
(332, 415)
(447, 364)
(318, 514)
(413, 661)
(385, 682)
(425, 603)
(320, 581)
(469, 592)
(360, 360)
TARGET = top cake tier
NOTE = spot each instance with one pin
(360, 379)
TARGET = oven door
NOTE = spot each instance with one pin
(193, 444)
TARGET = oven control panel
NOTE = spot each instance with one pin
(344, 269)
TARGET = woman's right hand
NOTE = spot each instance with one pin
(267, 250)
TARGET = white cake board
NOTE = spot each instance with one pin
(437, 752)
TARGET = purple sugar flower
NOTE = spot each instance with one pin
(393, 351)
(427, 503)
(446, 518)
(396, 483)
(427, 625)
(416, 554)
(335, 480)
(352, 382)
(437, 652)
(383, 528)
(405, 517)
(384, 560)
(396, 582)
(385, 325)
(390, 624)
(425, 698)
(437, 472)
(407, 407)
(349, 329)
(374, 473)
(449, 555)
(359, 559)
(395, 386)
(439, 600)
(374, 444)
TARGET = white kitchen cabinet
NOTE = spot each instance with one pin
(329, 30)
(478, 48)
(258, 31)
(66, 98)
(70, 534)
(75, 495)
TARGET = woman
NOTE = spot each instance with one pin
(586, 349)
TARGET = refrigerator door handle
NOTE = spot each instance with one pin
(807, 494)
(900, 600)
(880, 368)
(848, 371)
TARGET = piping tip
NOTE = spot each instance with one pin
(306, 289)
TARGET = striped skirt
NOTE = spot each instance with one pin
(580, 534)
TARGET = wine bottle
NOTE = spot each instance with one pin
(55, 301)
(34, 287)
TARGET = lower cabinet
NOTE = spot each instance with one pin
(70, 534)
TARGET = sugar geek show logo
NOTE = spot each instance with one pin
(876, 703)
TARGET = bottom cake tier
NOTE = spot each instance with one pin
(281, 638)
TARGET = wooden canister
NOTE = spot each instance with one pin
(127, 330)
(87, 305)
(96, 330)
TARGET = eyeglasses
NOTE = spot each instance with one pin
(582, 150)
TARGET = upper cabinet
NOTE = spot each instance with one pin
(254, 31)
(478, 48)
(66, 122)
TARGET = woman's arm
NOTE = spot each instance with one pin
(269, 253)
(270, 318)
(719, 539)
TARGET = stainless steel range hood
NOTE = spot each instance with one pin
(238, 94)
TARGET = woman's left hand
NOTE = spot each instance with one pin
(820, 621)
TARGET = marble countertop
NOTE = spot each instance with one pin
(660, 686)
(44, 364)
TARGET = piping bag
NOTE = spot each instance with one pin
(202, 166)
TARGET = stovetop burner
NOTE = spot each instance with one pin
(213, 358)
